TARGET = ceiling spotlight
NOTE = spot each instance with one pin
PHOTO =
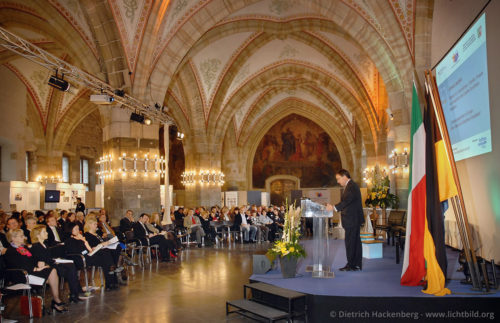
(147, 121)
(59, 83)
(136, 117)
(180, 135)
(120, 93)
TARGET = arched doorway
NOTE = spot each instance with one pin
(280, 188)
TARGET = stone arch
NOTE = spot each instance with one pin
(343, 15)
(344, 145)
(289, 70)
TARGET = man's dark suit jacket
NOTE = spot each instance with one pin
(350, 206)
(237, 221)
(140, 232)
(51, 239)
(125, 225)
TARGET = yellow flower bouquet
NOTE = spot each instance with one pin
(289, 245)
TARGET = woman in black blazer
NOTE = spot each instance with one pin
(18, 257)
(94, 240)
(77, 244)
(67, 270)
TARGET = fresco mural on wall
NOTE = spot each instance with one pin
(299, 147)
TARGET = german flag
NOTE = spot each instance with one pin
(425, 253)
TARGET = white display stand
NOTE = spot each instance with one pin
(99, 196)
(20, 195)
(265, 199)
(231, 199)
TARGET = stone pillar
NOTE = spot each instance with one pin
(205, 159)
(134, 188)
(166, 145)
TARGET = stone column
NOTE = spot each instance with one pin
(129, 187)
(205, 158)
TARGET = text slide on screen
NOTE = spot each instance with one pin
(462, 80)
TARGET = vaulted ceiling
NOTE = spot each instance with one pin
(222, 66)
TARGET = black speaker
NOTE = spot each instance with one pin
(261, 264)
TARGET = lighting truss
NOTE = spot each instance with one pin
(41, 57)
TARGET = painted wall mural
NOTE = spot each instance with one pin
(299, 147)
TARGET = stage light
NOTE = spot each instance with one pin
(136, 117)
(180, 135)
(59, 83)
(147, 121)
(120, 93)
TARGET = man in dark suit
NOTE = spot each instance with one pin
(352, 218)
(55, 233)
(80, 207)
(142, 233)
(127, 221)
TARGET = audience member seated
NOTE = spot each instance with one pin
(41, 253)
(154, 225)
(55, 234)
(41, 216)
(69, 224)
(209, 230)
(62, 219)
(142, 233)
(193, 225)
(104, 228)
(241, 223)
(127, 222)
(261, 221)
(277, 224)
(179, 218)
(80, 220)
(94, 240)
(76, 244)
(30, 224)
(18, 257)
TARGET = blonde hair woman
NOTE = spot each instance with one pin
(18, 257)
(94, 240)
(40, 251)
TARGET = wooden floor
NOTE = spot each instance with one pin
(193, 289)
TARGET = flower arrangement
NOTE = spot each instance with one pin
(289, 245)
(379, 195)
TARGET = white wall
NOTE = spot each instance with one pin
(480, 175)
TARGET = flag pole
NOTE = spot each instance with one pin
(457, 201)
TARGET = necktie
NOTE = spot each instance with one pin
(56, 234)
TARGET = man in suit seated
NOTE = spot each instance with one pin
(127, 222)
(142, 233)
(55, 233)
(193, 225)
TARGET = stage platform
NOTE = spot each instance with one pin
(376, 292)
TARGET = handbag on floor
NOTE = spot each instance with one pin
(36, 304)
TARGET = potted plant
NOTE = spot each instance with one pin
(288, 248)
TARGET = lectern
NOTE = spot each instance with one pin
(320, 268)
